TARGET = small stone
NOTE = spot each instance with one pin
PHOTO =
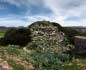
(70, 64)
(5, 66)
(31, 67)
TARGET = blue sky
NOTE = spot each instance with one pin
(24, 12)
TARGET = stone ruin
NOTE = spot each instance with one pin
(80, 42)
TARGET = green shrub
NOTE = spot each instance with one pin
(12, 50)
(63, 57)
(48, 60)
(3, 42)
(17, 37)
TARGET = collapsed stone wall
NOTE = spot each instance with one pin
(46, 35)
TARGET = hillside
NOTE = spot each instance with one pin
(46, 50)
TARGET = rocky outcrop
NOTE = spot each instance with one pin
(46, 34)
(80, 42)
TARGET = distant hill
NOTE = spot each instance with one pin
(4, 29)
(78, 28)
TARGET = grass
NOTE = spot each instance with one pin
(1, 34)
(15, 65)
(71, 67)
(40, 60)
(76, 65)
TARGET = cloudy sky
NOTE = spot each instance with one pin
(24, 12)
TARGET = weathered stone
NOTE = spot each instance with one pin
(80, 42)
(5, 66)
(46, 35)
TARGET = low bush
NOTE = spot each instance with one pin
(10, 50)
(3, 42)
(16, 37)
(15, 65)
(48, 60)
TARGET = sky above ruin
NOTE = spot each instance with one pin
(24, 12)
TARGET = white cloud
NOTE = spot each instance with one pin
(9, 21)
(19, 3)
(16, 21)
(61, 10)
(64, 9)
(76, 23)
